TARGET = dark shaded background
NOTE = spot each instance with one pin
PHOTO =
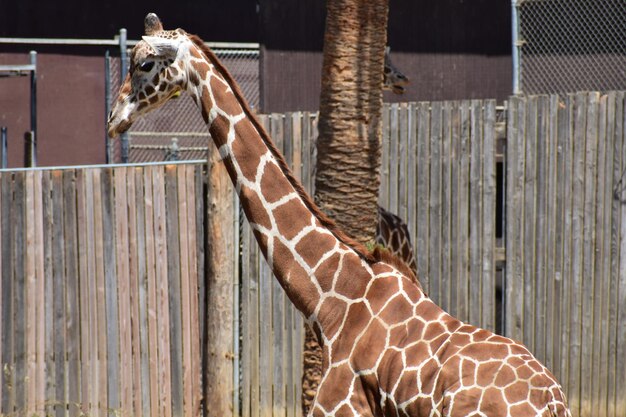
(450, 49)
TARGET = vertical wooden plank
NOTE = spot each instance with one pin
(306, 151)
(446, 207)
(476, 212)
(185, 288)
(247, 326)
(553, 218)
(602, 296)
(435, 216)
(488, 318)
(394, 138)
(6, 283)
(566, 144)
(514, 234)
(616, 115)
(48, 224)
(91, 278)
(134, 298)
(598, 401)
(85, 280)
(30, 284)
(463, 237)
(455, 211)
(39, 294)
(195, 211)
(73, 312)
(296, 143)
(587, 282)
(620, 383)
(403, 160)
(539, 279)
(577, 252)
(385, 145)
(111, 289)
(422, 238)
(30, 278)
(172, 241)
(58, 292)
(19, 317)
(140, 345)
(3, 318)
(530, 215)
(152, 306)
(412, 169)
(266, 357)
(122, 279)
(97, 293)
(254, 300)
(162, 294)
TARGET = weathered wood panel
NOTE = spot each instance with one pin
(75, 315)
(566, 157)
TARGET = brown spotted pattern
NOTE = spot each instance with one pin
(393, 234)
(388, 350)
(394, 80)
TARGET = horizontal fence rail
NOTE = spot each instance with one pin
(99, 312)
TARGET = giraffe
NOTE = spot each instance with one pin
(393, 234)
(393, 79)
(388, 350)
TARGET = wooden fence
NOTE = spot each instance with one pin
(99, 265)
(546, 179)
(99, 300)
(566, 243)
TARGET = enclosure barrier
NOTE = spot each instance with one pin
(566, 242)
(99, 300)
(99, 265)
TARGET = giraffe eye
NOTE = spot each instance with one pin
(146, 66)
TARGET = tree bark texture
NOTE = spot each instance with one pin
(350, 126)
(218, 335)
(348, 161)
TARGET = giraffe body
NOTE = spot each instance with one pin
(393, 234)
(388, 350)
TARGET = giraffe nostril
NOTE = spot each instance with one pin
(110, 114)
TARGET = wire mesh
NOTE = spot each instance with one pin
(572, 45)
(176, 131)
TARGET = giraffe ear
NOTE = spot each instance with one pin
(162, 46)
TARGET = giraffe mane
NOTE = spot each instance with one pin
(326, 221)
(384, 255)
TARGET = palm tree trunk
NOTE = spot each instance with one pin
(350, 126)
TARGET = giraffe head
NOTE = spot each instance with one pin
(394, 79)
(156, 74)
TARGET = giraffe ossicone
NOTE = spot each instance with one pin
(388, 350)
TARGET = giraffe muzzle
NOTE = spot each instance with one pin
(115, 127)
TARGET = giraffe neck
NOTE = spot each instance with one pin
(302, 246)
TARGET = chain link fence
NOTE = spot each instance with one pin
(570, 45)
(177, 131)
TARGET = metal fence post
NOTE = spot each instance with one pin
(30, 150)
(33, 96)
(3, 147)
(108, 143)
(124, 145)
(516, 45)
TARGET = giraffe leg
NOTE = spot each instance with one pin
(341, 394)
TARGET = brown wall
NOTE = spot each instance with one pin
(70, 109)
(450, 49)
